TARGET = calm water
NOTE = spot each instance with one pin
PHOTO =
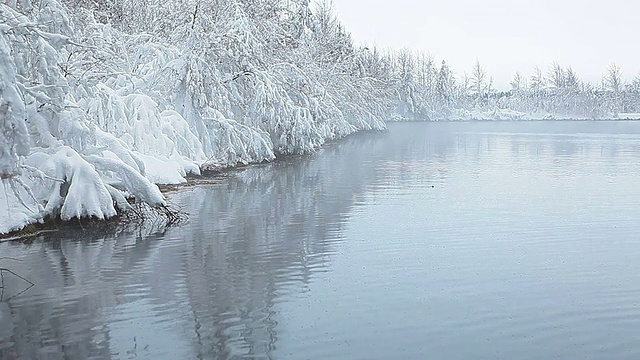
(437, 240)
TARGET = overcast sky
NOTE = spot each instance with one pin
(504, 35)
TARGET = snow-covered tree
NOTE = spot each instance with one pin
(518, 84)
(445, 84)
(111, 96)
(613, 78)
(478, 83)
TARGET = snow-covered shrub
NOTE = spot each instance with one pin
(100, 100)
(48, 141)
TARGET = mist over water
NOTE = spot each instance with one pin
(442, 240)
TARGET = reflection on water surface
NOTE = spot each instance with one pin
(446, 240)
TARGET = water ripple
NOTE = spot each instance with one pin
(451, 241)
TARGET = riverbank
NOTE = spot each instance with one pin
(208, 176)
(123, 218)
(139, 104)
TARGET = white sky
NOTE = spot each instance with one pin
(504, 35)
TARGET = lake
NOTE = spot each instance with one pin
(469, 240)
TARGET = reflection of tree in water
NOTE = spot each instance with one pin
(269, 229)
(210, 288)
(417, 154)
(259, 234)
(78, 275)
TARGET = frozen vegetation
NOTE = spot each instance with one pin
(102, 100)
(430, 90)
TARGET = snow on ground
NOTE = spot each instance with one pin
(629, 116)
(498, 114)
(494, 114)
(508, 114)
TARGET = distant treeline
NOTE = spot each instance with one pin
(429, 90)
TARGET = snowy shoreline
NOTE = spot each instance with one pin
(499, 114)
(52, 225)
(101, 101)
(204, 178)
(209, 177)
(98, 105)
